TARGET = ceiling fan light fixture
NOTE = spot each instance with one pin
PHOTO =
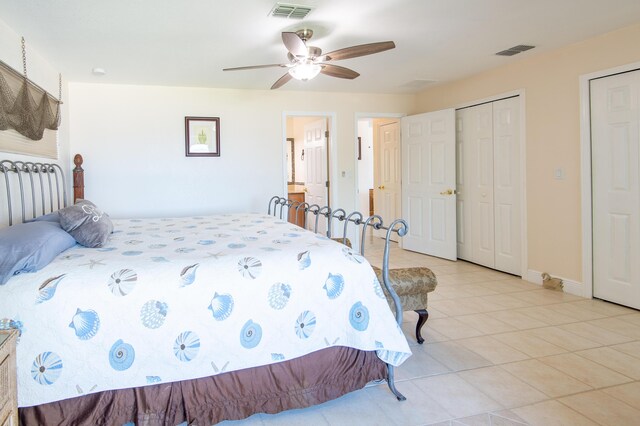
(306, 62)
(305, 71)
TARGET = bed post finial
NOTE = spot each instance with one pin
(78, 178)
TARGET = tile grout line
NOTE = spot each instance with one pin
(534, 299)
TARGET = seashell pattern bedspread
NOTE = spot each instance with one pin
(175, 299)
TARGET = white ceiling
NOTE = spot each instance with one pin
(187, 43)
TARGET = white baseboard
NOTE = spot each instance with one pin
(570, 286)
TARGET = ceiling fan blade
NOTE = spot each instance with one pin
(251, 67)
(360, 50)
(294, 44)
(281, 81)
(337, 71)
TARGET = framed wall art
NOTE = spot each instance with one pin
(202, 136)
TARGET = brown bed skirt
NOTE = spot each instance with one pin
(301, 382)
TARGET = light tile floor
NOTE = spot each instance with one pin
(498, 351)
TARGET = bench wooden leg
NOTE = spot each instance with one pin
(423, 316)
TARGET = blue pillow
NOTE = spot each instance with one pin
(51, 217)
(29, 247)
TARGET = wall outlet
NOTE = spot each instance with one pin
(558, 173)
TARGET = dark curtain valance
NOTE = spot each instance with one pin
(19, 109)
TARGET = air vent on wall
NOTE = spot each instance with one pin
(515, 50)
(290, 11)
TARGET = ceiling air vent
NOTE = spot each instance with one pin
(515, 50)
(290, 11)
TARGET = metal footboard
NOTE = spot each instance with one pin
(281, 207)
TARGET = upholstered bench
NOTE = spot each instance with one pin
(412, 286)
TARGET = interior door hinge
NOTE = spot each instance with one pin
(327, 184)
(326, 134)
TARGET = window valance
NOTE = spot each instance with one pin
(25, 106)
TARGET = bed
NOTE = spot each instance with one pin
(197, 319)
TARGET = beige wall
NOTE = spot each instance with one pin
(551, 84)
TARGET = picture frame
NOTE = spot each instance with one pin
(202, 136)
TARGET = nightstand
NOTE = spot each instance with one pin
(8, 389)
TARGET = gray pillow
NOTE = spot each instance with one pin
(86, 223)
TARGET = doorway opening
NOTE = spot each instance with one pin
(378, 167)
(307, 156)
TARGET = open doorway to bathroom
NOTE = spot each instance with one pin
(307, 158)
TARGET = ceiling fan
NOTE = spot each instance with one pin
(306, 62)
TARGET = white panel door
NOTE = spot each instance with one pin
(463, 159)
(615, 134)
(428, 183)
(315, 158)
(488, 170)
(474, 141)
(482, 196)
(506, 189)
(387, 191)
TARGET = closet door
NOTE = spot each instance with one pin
(488, 179)
(475, 172)
(506, 188)
(482, 221)
(463, 158)
(615, 147)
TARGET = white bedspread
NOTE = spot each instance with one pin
(176, 299)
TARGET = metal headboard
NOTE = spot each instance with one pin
(37, 188)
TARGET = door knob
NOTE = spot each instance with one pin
(381, 187)
(448, 192)
(305, 189)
